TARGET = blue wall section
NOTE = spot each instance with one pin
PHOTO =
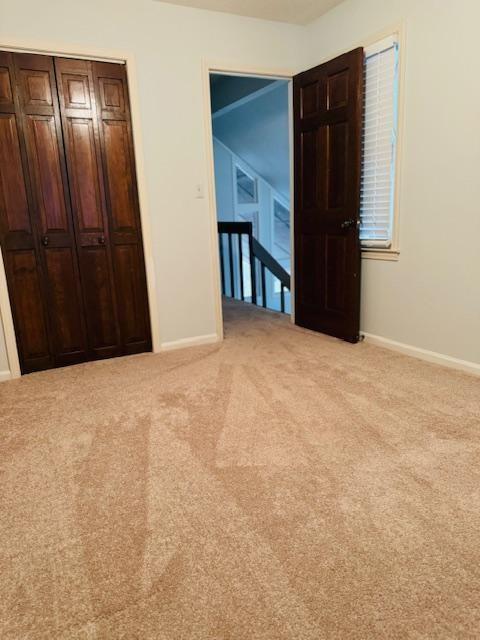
(258, 132)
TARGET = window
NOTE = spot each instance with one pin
(246, 187)
(379, 145)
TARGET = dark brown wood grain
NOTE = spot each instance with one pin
(18, 236)
(327, 151)
(36, 85)
(69, 215)
(82, 147)
(118, 162)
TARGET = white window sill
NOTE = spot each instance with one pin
(393, 255)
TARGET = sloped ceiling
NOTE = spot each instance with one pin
(226, 90)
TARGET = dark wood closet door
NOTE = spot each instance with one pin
(17, 235)
(35, 78)
(327, 147)
(69, 217)
(122, 205)
(82, 145)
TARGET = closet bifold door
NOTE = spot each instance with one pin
(122, 205)
(37, 94)
(82, 149)
(21, 254)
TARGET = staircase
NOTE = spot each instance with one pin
(245, 266)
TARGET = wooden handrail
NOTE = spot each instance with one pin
(272, 265)
(256, 252)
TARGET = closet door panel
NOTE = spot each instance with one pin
(82, 146)
(17, 239)
(103, 329)
(87, 196)
(29, 313)
(129, 278)
(45, 161)
(13, 193)
(95, 267)
(119, 174)
(44, 143)
(122, 205)
(36, 87)
(6, 91)
(66, 312)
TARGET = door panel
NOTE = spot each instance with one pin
(87, 196)
(309, 158)
(119, 173)
(335, 267)
(337, 160)
(327, 149)
(82, 146)
(111, 89)
(13, 192)
(66, 312)
(27, 302)
(98, 300)
(36, 85)
(6, 92)
(122, 205)
(132, 317)
(17, 239)
(42, 135)
(52, 213)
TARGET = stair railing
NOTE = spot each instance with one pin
(256, 252)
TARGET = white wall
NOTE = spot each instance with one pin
(169, 44)
(430, 298)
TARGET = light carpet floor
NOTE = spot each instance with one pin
(281, 485)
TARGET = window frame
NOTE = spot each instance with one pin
(391, 253)
(237, 167)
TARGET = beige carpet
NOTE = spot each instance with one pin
(281, 485)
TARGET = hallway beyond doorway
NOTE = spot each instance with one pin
(250, 125)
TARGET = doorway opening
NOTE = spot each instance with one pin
(251, 123)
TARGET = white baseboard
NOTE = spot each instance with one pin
(424, 354)
(5, 375)
(190, 342)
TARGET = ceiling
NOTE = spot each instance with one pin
(226, 90)
(293, 11)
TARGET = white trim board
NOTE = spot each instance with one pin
(423, 354)
(184, 343)
(5, 375)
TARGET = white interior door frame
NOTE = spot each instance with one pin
(232, 69)
(91, 53)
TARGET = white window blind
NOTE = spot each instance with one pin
(379, 144)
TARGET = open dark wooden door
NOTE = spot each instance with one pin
(328, 104)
